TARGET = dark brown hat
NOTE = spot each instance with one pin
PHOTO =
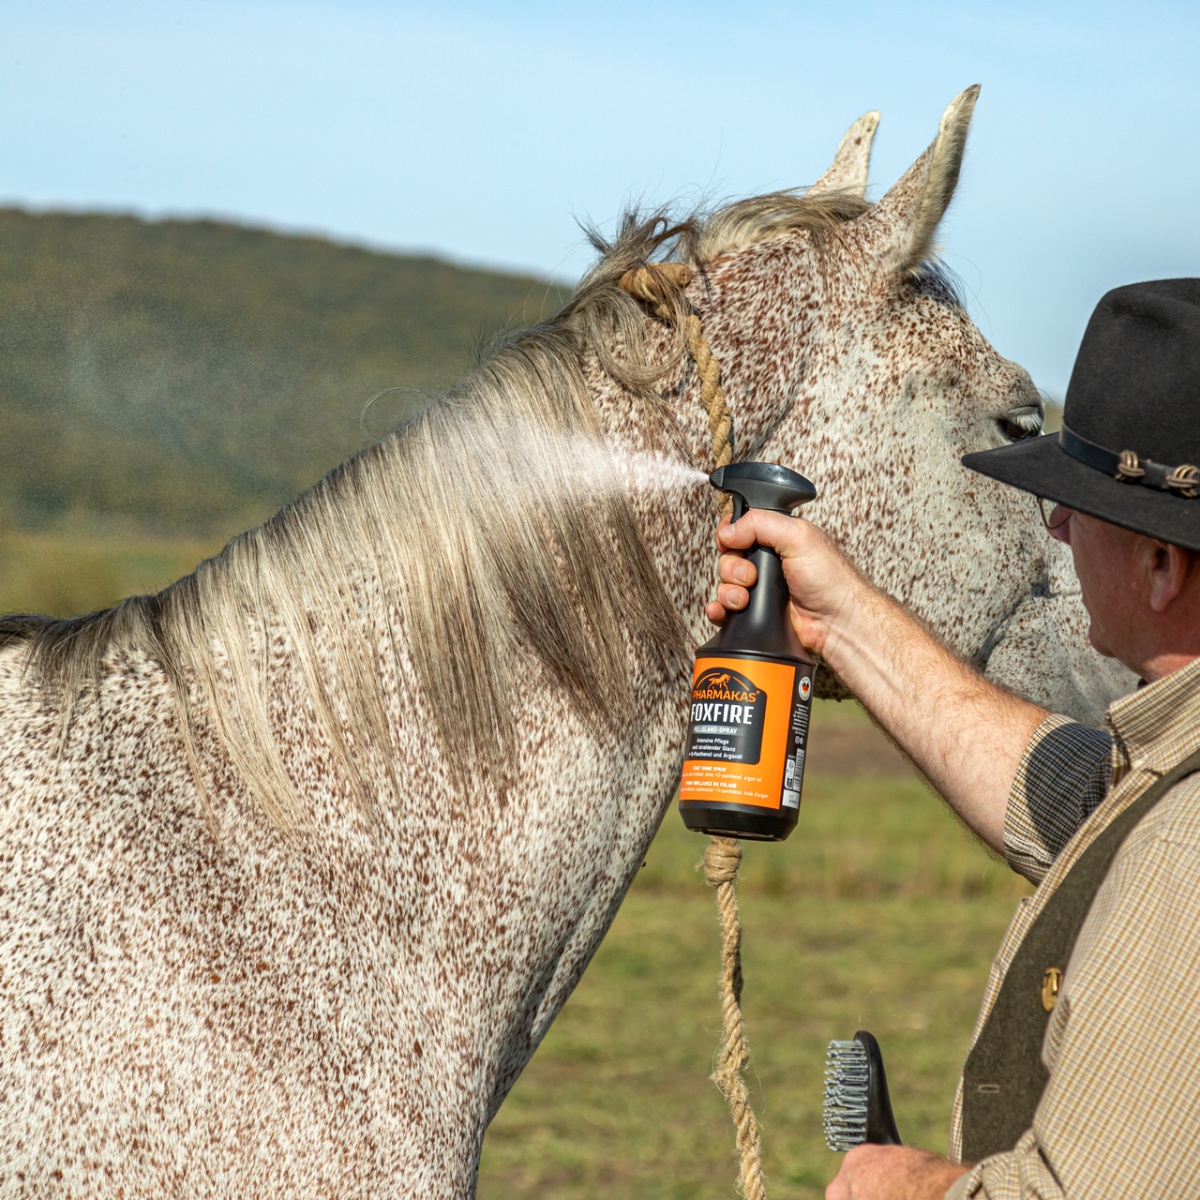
(1129, 448)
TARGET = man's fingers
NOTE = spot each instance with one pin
(737, 536)
(871, 1172)
(785, 535)
(732, 597)
(733, 568)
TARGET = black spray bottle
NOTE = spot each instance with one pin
(751, 689)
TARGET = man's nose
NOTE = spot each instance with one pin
(1059, 523)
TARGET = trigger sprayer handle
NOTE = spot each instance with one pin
(763, 485)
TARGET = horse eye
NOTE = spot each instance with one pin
(1017, 429)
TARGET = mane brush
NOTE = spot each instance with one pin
(857, 1105)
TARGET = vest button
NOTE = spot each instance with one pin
(1051, 982)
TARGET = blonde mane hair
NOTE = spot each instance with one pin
(455, 554)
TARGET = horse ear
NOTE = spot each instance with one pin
(848, 172)
(908, 215)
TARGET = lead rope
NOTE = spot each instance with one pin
(661, 286)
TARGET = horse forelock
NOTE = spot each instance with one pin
(457, 555)
(758, 219)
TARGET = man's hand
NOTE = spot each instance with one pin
(893, 1173)
(825, 589)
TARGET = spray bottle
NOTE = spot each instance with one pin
(751, 689)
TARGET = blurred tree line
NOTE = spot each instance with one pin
(188, 377)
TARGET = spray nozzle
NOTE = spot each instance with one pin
(762, 485)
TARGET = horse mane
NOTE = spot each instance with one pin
(461, 529)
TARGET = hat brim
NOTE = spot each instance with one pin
(1041, 466)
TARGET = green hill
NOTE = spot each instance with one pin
(191, 376)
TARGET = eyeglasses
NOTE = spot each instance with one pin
(1054, 515)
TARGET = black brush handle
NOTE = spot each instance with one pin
(881, 1124)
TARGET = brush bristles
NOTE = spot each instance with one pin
(846, 1080)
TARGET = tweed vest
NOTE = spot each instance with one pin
(1004, 1076)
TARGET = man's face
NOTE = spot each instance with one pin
(1109, 562)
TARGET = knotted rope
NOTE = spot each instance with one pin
(661, 285)
(1185, 480)
(1129, 469)
(721, 862)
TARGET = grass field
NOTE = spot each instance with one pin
(878, 913)
(66, 573)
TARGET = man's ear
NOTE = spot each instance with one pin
(1171, 567)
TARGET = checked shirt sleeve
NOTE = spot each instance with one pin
(1060, 780)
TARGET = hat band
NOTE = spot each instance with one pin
(1127, 467)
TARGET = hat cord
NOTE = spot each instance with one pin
(1127, 466)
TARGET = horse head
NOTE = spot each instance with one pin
(848, 354)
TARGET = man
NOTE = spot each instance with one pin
(1084, 1074)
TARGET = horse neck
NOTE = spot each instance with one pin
(677, 520)
(759, 318)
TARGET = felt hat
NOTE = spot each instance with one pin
(1129, 448)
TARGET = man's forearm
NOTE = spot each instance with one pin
(870, 1172)
(963, 732)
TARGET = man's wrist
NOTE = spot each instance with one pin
(871, 1172)
(861, 643)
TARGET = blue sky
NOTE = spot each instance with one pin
(483, 132)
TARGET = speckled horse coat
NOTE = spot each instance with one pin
(301, 857)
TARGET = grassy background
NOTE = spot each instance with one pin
(71, 571)
(880, 912)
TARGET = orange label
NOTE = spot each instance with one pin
(742, 744)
